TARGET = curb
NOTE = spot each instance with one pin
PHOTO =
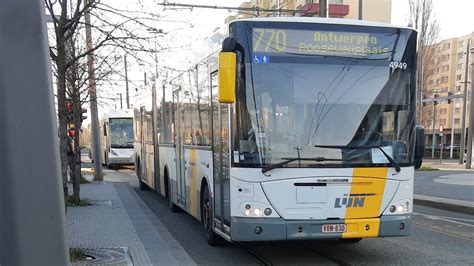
(461, 206)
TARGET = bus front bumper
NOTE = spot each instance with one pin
(121, 160)
(265, 229)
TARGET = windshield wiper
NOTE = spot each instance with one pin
(392, 161)
(289, 160)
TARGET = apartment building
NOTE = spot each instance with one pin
(447, 77)
(374, 10)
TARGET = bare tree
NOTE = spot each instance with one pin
(422, 18)
(114, 28)
(77, 93)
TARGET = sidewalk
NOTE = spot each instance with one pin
(446, 164)
(451, 188)
(119, 229)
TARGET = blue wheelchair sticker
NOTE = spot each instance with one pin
(261, 59)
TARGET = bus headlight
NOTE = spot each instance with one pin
(257, 210)
(399, 207)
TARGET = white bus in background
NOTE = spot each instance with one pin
(117, 138)
(300, 128)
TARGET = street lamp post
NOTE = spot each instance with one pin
(126, 85)
(121, 104)
(471, 118)
(464, 107)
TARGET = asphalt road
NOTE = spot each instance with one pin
(438, 237)
(429, 183)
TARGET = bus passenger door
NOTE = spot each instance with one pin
(221, 159)
(179, 140)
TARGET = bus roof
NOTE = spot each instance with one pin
(320, 20)
(122, 113)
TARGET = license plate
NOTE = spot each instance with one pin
(334, 228)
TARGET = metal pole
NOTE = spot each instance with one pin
(471, 120)
(434, 137)
(32, 218)
(278, 7)
(451, 148)
(441, 141)
(323, 5)
(93, 99)
(464, 107)
(360, 9)
(121, 102)
(126, 83)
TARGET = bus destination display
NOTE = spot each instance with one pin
(318, 42)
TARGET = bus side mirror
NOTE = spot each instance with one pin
(419, 145)
(227, 73)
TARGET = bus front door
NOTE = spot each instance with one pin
(221, 159)
(179, 152)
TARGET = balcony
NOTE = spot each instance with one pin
(335, 10)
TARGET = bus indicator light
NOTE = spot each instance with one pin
(268, 211)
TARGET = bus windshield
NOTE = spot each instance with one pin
(291, 100)
(121, 132)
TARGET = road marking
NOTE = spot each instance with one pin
(444, 232)
(447, 219)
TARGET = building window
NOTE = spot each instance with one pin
(445, 68)
(444, 79)
(457, 110)
(458, 88)
(459, 67)
(456, 121)
(461, 44)
(443, 111)
(458, 77)
(442, 121)
(445, 57)
(460, 55)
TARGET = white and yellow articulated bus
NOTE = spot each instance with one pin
(299, 128)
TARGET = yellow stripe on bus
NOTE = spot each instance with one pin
(366, 195)
(192, 183)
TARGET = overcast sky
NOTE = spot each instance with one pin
(456, 19)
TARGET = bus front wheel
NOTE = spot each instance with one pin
(206, 217)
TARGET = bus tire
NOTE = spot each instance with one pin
(351, 240)
(206, 217)
(173, 207)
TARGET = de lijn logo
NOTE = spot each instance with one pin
(352, 201)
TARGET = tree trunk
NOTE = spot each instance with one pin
(76, 181)
(76, 98)
(62, 120)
